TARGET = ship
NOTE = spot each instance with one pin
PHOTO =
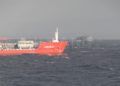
(50, 48)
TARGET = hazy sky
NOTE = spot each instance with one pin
(39, 18)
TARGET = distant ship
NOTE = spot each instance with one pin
(51, 48)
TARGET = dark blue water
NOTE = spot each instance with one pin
(91, 66)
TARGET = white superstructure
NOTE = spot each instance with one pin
(23, 44)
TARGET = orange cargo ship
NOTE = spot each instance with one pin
(51, 48)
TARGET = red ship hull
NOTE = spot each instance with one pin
(44, 48)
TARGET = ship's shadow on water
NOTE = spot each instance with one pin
(91, 66)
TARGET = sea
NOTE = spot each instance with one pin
(94, 65)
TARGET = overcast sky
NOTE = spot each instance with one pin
(39, 18)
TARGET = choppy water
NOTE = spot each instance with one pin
(93, 66)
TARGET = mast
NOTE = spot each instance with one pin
(56, 36)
